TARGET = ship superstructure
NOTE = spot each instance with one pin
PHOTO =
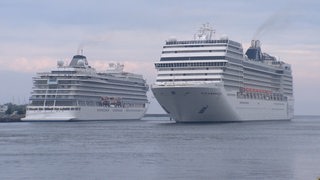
(78, 92)
(209, 79)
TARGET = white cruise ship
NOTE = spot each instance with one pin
(212, 80)
(78, 92)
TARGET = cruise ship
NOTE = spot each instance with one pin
(78, 92)
(210, 79)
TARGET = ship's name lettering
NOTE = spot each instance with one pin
(103, 110)
(117, 110)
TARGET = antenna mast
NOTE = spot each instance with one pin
(205, 32)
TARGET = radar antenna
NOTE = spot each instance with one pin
(80, 52)
(205, 32)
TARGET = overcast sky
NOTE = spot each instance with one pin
(35, 34)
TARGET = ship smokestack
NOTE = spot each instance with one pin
(255, 43)
(254, 51)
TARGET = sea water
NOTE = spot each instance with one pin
(161, 149)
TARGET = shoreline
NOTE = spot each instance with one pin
(16, 118)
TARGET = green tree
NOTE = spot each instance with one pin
(10, 108)
(21, 109)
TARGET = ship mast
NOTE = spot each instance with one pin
(205, 32)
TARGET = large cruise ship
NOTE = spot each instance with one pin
(78, 92)
(212, 80)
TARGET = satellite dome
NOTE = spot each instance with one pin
(60, 63)
(224, 37)
(80, 62)
(172, 39)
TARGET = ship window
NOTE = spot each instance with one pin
(37, 103)
(82, 103)
(49, 103)
(191, 58)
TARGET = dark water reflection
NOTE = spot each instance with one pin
(161, 150)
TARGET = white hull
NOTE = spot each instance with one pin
(85, 114)
(211, 103)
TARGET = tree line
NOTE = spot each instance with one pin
(20, 109)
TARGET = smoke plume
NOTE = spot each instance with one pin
(277, 22)
(92, 41)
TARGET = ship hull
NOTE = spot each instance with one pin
(212, 103)
(84, 114)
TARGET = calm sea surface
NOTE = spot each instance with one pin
(160, 149)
